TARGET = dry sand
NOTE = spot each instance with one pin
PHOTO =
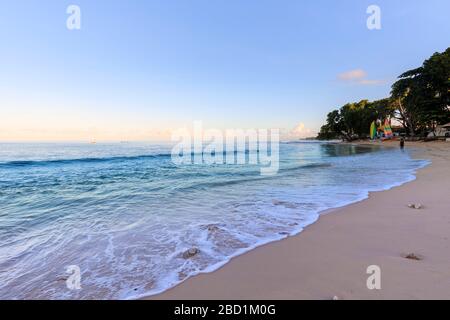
(330, 258)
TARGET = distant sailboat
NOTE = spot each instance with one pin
(373, 130)
(387, 129)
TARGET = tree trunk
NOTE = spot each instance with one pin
(406, 119)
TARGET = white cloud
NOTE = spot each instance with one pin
(300, 132)
(367, 82)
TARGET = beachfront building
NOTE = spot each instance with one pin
(441, 131)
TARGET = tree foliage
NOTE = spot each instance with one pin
(422, 95)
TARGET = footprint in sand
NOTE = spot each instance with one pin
(413, 256)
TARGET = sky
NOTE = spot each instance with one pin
(139, 69)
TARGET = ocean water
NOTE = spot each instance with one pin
(125, 214)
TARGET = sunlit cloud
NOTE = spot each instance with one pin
(352, 75)
(358, 76)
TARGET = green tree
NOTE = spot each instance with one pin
(333, 128)
(422, 95)
(353, 120)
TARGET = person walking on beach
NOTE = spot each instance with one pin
(402, 143)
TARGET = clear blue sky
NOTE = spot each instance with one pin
(139, 68)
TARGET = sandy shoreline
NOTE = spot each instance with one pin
(330, 257)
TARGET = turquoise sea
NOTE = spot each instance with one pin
(125, 214)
